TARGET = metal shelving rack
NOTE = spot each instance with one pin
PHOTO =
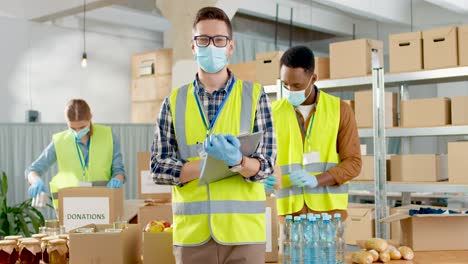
(402, 81)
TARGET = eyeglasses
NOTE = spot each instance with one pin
(219, 41)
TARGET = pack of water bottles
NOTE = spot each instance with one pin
(313, 239)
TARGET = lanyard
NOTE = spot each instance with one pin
(210, 126)
(83, 160)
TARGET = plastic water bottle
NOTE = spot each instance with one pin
(287, 231)
(328, 241)
(318, 219)
(296, 241)
(308, 240)
(303, 220)
(339, 239)
(311, 248)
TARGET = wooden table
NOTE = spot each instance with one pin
(432, 257)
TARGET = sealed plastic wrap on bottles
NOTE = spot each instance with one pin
(287, 229)
(339, 239)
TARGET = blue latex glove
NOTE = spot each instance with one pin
(223, 147)
(302, 178)
(114, 183)
(36, 188)
(270, 182)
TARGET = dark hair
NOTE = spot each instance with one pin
(299, 57)
(210, 12)
(77, 110)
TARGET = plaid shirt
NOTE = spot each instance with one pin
(165, 161)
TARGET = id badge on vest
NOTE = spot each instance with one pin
(310, 157)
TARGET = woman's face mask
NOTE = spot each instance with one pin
(79, 128)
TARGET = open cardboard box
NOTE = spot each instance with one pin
(106, 248)
(432, 232)
(157, 248)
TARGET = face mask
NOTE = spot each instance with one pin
(80, 134)
(296, 97)
(211, 59)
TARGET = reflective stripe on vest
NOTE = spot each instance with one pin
(187, 151)
(294, 190)
(214, 210)
(313, 167)
(290, 155)
(219, 207)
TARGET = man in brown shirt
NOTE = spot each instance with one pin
(298, 77)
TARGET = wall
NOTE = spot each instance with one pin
(41, 68)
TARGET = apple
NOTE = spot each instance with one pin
(166, 224)
(154, 226)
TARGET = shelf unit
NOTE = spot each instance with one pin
(402, 81)
(397, 79)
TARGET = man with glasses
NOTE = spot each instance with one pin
(224, 221)
(318, 142)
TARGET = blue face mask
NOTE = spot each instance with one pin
(80, 134)
(211, 59)
(296, 97)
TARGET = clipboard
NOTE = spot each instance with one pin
(214, 170)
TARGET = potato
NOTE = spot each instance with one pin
(377, 243)
(384, 256)
(394, 253)
(375, 254)
(362, 257)
(406, 253)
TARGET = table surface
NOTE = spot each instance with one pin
(433, 257)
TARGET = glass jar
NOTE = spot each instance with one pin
(44, 244)
(8, 252)
(30, 251)
(14, 238)
(39, 236)
(53, 227)
(58, 251)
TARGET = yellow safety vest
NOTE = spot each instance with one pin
(70, 171)
(291, 199)
(231, 211)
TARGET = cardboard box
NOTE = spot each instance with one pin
(367, 169)
(363, 109)
(155, 211)
(425, 112)
(353, 58)
(271, 217)
(245, 71)
(147, 189)
(406, 52)
(146, 112)
(360, 223)
(460, 110)
(322, 68)
(433, 232)
(79, 206)
(463, 45)
(151, 88)
(106, 248)
(440, 48)
(350, 103)
(416, 168)
(457, 164)
(157, 62)
(157, 248)
(268, 67)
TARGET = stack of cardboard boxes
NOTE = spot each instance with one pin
(431, 49)
(151, 83)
